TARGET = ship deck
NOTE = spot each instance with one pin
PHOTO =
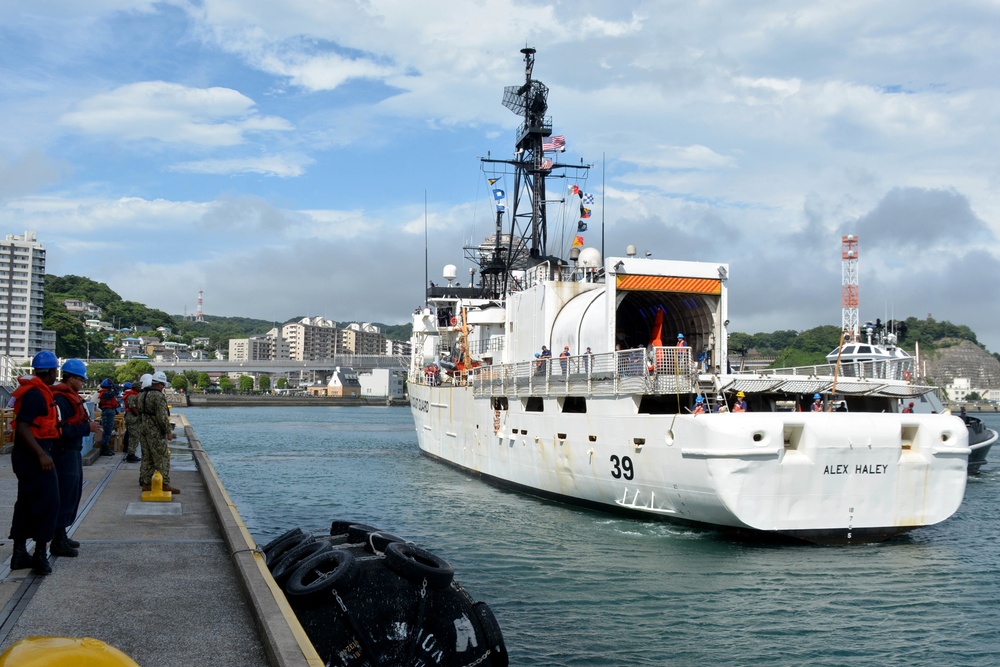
(169, 584)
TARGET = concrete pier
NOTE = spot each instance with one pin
(170, 583)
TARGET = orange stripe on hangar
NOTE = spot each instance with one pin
(669, 284)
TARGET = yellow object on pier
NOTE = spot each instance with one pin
(156, 494)
(64, 652)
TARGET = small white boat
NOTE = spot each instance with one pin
(876, 352)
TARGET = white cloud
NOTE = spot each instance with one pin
(272, 165)
(172, 113)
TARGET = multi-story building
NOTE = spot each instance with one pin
(397, 348)
(363, 338)
(22, 297)
(269, 347)
(312, 338)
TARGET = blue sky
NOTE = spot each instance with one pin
(278, 155)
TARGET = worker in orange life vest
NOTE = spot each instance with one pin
(107, 401)
(35, 432)
(699, 406)
(741, 402)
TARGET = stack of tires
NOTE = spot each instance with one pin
(367, 598)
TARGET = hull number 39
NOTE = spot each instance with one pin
(621, 467)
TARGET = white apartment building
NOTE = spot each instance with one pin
(269, 347)
(311, 338)
(22, 296)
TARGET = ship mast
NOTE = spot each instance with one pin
(530, 167)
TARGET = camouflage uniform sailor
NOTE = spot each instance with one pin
(154, 432)
(130, 397)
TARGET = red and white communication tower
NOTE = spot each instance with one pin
(199, 316)
(849, 290)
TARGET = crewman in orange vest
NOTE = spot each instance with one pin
(35, 432)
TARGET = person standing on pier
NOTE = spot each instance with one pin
(107, 401)
(129, 399)
(35, 431)
(154, 433)
(74, 425)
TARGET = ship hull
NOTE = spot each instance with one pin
(825, 478)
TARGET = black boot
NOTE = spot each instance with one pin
(132, 458)
(61, 535)
(20, 559)
(106, 451)
(40, 560)
(63, 546)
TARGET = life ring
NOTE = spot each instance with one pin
(906, 375)
(316, 576)
(411, 562)
(454, 321)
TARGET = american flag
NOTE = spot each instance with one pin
(555, 143)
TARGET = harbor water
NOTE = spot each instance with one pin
(572, 587)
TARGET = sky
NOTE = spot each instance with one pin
(288, 158)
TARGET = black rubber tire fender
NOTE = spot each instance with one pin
(291, 560)
(415, 564)
(281, 538)
(378, 541)
(359, 532)
(318, 575)
(278, 551)
(491, 634)
(339, 527)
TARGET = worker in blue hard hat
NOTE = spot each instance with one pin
(107, 401)
(680, 340)
(817, 405)
(699, 406)
(75, 424)
(36, 428)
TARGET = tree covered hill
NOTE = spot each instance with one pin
(74, 339)
(792, 348)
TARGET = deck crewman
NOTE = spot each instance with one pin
(129, 399)
(154, 433)
(35, 431)
(74, 425)
(107, 401)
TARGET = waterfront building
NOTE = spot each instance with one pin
(383, 383)
(22, 297)
(343, 383)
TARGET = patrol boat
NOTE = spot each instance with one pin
(876, 345)
(614, 422)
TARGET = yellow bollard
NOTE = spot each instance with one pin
(64, 651)
(156, 494)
